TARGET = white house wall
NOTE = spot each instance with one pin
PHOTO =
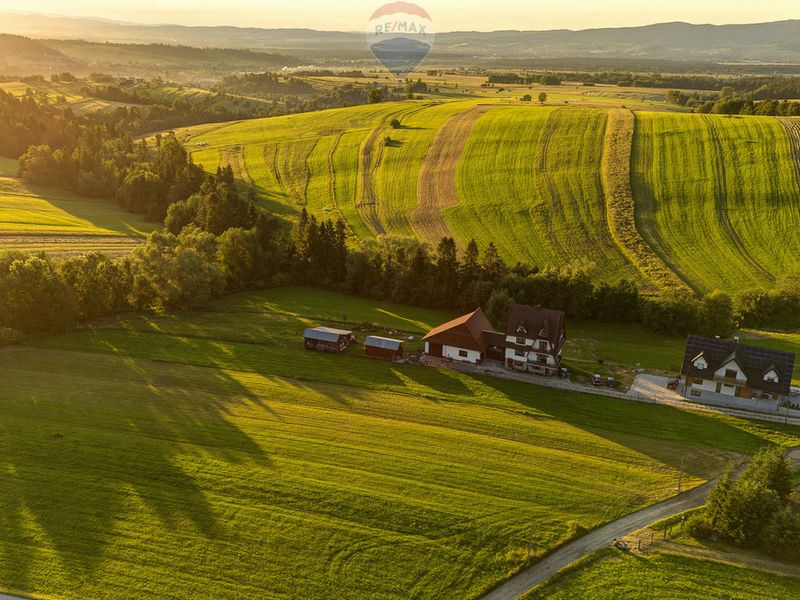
(451, 352)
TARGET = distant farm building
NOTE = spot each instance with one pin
(382, 347)
(534, 339)
(715, 370)
(326, 339)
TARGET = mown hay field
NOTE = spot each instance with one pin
(713, 201)
(209, 453)
(718, 198)
(38, 219)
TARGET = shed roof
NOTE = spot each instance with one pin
(326, 334)
(375, 341)
(753, 360)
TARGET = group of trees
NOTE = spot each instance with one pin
(219, 242)
(26, 122)
(760, 509)
(730, 102)
(105, 163)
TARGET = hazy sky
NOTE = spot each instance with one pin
(447, 15)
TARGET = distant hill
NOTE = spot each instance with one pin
(777, 41)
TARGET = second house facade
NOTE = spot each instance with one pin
(535, 338)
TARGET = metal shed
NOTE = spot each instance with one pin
(327, 339)
(381, 347)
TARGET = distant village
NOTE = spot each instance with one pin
(714, 371)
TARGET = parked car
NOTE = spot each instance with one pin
(611, 382)
(672, 384)
(597, 380)
(563, 373)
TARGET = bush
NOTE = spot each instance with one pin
(697, 526)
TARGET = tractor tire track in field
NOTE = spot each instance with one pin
(721, 201)
(621, 206)
(436, 185)
(367, 203)
(332, 174)
(792, 127)
(291, 166)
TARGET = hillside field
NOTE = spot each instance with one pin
(611, 574)
(35, 219)
(716, 199)
(207, 452)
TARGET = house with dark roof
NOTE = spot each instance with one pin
(715, 369)
(466, 339)
(534, 339)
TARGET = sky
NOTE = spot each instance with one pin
(482, 15)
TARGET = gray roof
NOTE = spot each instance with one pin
(375, 341)
(326, 334)
(754, 361)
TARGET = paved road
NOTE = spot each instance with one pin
(603, 538)
(7, 597)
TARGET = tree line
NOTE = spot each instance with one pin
(730, 102)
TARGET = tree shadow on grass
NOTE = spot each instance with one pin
(668, 435)
(91, 440)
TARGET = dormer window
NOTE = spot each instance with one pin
(771, 377)
(700, 363)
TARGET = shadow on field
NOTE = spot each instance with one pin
(88, 443)
(698, 443)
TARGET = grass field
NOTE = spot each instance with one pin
(610, 574)
(37, 219)
(714, 199)
(718, 197)
(208, 453)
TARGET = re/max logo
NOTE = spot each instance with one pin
(400, 26)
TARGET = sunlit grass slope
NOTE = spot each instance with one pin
(209, 453)
(718, 198)
(610, 574)
(43, 219)
(529, 181)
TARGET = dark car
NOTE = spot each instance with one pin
(611, 382)
(563, 373)
(672, 384)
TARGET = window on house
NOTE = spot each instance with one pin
(519, 353)
(521, 341)
(697, 381)
(463, 353)
(731, 373)
(543, 346)
(697, 393)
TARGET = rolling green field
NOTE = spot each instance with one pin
(716, 197)
(610, 574)
(208, 452)
(35, 219)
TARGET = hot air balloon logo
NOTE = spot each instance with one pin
(400, 35)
